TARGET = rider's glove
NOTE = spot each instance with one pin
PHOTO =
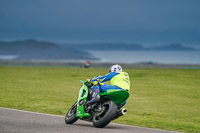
(95, 83)
(88, 80)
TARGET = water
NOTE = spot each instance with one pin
(8, 57)
(167, 57)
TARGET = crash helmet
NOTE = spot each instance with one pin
(115, 68)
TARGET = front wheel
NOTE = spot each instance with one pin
(108, 112)
(70, 117)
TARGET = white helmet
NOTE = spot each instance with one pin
(115, 68)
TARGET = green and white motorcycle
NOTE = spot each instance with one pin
(101, 113)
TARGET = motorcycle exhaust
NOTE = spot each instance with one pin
(120, 113)
(123, 111)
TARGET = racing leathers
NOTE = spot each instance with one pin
(117, 81)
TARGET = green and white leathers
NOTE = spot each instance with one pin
(121, 80)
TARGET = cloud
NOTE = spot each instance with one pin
(139, 20)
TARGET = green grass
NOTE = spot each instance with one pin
(160, 98)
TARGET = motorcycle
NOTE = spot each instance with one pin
(100, 113)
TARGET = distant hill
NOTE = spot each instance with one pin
(33, 49)
(132, 47)
(108, 46)
(173, 47)
(43, 50)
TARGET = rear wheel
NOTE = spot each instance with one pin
(70, 117)
(107, 113)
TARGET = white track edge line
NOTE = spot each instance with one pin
(63, 117)
(31, 112)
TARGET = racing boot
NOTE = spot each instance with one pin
(95, 97)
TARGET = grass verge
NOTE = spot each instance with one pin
(160, 98)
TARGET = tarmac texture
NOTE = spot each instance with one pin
(18, 121)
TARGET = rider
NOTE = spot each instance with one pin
(118, 80)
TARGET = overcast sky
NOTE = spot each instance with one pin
(131, 21)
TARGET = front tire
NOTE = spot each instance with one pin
(70, 117)
(109, 110)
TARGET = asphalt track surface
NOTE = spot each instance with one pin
(18, 121)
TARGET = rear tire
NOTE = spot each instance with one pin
(70, 117)
(108, 113)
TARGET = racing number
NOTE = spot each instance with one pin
(126, 79)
